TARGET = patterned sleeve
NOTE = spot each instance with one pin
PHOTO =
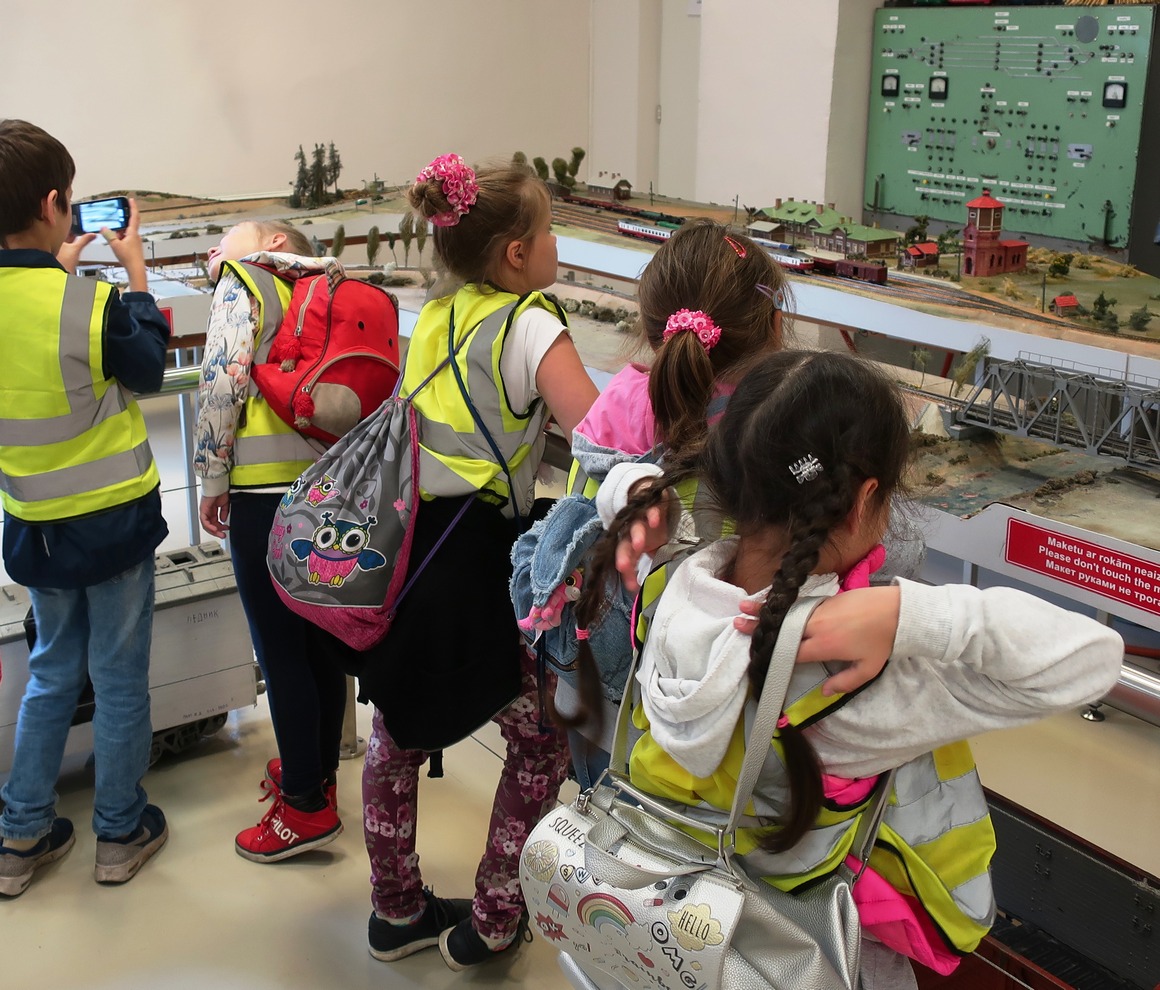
(224, 381)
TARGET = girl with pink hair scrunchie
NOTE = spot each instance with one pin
(453, 659)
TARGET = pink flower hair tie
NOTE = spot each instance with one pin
(708, 333)
(457, 179)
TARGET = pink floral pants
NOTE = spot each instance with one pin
(535, 766)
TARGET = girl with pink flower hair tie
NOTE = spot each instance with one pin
(453, 658)
(711, 302)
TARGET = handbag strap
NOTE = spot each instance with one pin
(869, 824)
(781, 668)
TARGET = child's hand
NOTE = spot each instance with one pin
(129, 250)
(645, 536)
(70, 252)
(857, 626)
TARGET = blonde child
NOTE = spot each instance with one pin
(453, 657)
(805, 460)
(240, 492)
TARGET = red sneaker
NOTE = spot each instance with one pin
(271, 784)
(284, 832)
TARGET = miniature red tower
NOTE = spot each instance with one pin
(984, 253)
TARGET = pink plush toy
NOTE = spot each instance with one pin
(547, 616)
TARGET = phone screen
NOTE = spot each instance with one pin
(89, 218)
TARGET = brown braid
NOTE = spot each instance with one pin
(599, 573)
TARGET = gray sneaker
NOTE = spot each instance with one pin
(118, 860)
(17, 867)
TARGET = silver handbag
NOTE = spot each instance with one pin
(632, 900)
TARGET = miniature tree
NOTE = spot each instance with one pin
(338, 243)
(917, 233)
(965, 371)
(947, 240)
(1110, 321)
(333, 167)
(1139, 319)
(317, 247)
(1101, 306)
(301, 181)
(316, 189)
(519, 158)
(1060, 264)
(921, 357)
(541, 168)
(560, 172)
(392, 238)
(574, 165)
(373, 240)
(406, 235)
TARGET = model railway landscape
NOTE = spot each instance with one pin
(608, 217)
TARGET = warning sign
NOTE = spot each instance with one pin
(1094, 568)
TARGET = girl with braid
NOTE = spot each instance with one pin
(805, 460)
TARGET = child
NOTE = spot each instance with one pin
(82, 506)
(453, 654)
(805, 459)
(646, 417)
(241, 487)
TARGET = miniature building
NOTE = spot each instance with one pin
(854, 239)
(984, 253)
(803, 218)
(622, 190)
(1064, 305)
(766, 229)
(924, 255)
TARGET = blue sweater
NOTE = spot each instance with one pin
(90, 549)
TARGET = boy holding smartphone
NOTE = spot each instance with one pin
(82, 511)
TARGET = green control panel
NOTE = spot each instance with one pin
(1044, 106)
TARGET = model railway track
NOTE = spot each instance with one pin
(584, 217)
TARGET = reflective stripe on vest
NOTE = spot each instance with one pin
(72, 442)
(454, 455)
(936, 841)
(267, 450)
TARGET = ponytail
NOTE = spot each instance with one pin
(680, 387)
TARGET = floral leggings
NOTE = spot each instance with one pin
(533, 771)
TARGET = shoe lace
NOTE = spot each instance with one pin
(275, 809)
(444, 917)
(268, 788)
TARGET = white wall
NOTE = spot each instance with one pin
(215, 98)
(680, 76)
(769, 71)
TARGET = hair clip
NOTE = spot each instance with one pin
(708, 333)
(776, 295)
(806, 469)
(741, 252)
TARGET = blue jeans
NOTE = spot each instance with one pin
(104, 631)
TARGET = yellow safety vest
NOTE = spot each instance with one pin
(455, 457)
(72, 441)
(936, 841)
(268, 451)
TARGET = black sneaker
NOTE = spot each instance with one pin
(390, 942)
(118, 860)
(462, 948)
(17, 866)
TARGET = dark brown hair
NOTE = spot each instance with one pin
(736, 283)
(296, 241)
(512, 202)
(32, 164)
(834, 407)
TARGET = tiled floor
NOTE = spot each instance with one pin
(201, 917)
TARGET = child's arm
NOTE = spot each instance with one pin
(963, 661)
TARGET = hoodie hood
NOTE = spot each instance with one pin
(694, 669)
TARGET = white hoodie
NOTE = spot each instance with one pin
(964, 661)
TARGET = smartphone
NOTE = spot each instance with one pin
(90, 217)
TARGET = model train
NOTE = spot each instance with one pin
(613, 206)
(646, 231)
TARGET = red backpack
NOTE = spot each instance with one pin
(334, 358)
